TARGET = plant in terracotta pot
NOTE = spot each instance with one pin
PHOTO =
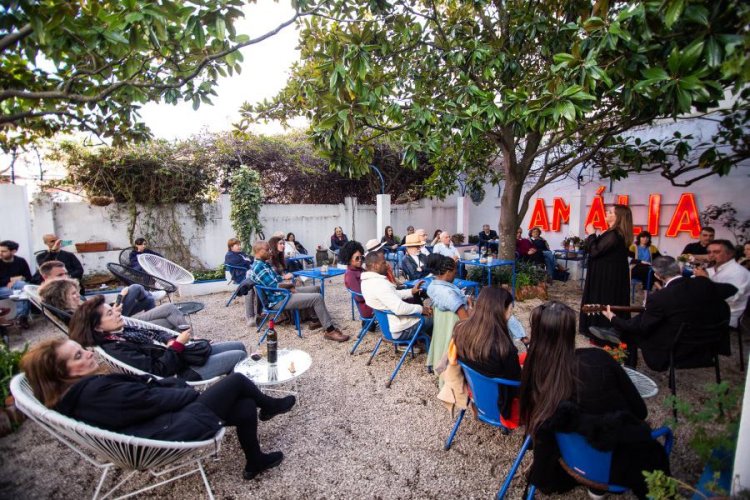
(10, 417)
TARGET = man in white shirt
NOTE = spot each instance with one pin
(381, 294)
(445, 247)
(726, 270)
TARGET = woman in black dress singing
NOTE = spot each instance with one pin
(608, 277)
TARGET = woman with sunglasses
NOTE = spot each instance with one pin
(353, 254)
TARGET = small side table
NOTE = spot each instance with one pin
(290, 365)
(190, 308)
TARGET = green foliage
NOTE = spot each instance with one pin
(726, 215)
(519, 90)
(209, 274)
(714, 426)
(527, 274)
(90, 65)
(247, 198)
(9, 366)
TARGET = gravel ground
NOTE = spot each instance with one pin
(349, 436)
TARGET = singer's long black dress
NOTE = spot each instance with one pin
(607, 278)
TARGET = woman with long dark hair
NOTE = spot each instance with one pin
(643, 253)
(290, 238)
(483, 342)
(153, 351)
(584, 391)
(68, 379)
(389, 239)
(608, 275)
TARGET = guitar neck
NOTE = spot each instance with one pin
(627, 308)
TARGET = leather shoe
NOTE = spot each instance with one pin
(605, 334)
(282, 405)
(336, 335)
(267, 461)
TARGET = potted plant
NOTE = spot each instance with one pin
(10, 417)
(572, 244)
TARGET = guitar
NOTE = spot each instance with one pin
(597, 308)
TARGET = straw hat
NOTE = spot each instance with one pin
(373, 245)
(413, 240)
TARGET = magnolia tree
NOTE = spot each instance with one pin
(77, 65)
(521, 91)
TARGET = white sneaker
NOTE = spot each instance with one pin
(158, 295)
(417, 349)
(595, 496)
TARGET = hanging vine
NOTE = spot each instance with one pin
(146, 182)
(246, 196)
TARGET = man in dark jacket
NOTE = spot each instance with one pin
(695, 301)
(53, 252)
(488, 239)
(414, 263)
(14, 275)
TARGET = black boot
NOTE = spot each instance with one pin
(266, 461)
(277, 407)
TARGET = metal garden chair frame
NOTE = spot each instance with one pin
(165, 269)
(486, 399)
(130, 276)
(261, 292)
(382, 318)
(109, 450)
(368, 321)
(587, 465)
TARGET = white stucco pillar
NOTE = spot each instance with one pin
(577, 214)
(15, 225)
(462, 216)
(383, 213)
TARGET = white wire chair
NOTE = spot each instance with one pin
(119, 366)
(132, 454)
(32, 292)
(165, 269)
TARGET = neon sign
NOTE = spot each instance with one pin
(685, 218)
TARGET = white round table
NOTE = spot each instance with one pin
(290, 364)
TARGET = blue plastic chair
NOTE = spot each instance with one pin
(261, 291)
(228, 268)
(582, 461)
(367, 321)
(486, 398)
(646, 285)
(385, 330)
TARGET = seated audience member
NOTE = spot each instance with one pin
(353, 254)
(53, 270)
(436, 237)
(139, 248)
(445, 246)
(423, 238)
(643, 253)
(53, 252)
(14, 275)
(526, 250)
(409, 230)
(488, 239)
(302, 297)
(68, 379)
(157, 352)
(381, 294)
(414, 263)
(744, 260)
(696, 301)
(338, 240)
(724, 269)
(62, 294)
(444, 294)
(391, 241)
(277, 260)
(291, 240)
(541, 245)
(588, 392)
(238, 259)
(483, 342)
(698, 250)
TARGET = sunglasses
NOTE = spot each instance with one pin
(359, 258)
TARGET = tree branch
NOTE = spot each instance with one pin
(10, 39)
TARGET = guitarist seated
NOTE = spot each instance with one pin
(697, 301)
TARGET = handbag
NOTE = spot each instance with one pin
(196, 353)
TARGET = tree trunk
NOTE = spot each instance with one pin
(509, 218)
